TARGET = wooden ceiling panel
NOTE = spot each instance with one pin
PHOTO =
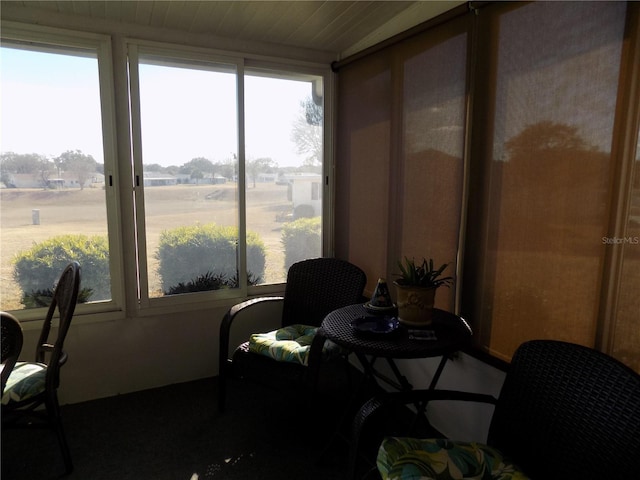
(327, 25)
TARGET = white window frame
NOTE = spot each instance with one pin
(121, 165)
(136, 49)
(57, 40)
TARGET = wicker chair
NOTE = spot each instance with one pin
(32, 384)
(565, 411)
(11, 344)
(314, 288)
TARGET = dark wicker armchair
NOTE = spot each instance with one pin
(314, 288)
(34, 384)
(565, 411)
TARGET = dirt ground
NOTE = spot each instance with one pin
(83, 211)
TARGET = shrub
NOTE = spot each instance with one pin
(304, 211)
(207, 282)
(301, 240)
(191, 252)
(202, 283)
(36, 270)
(43, 298)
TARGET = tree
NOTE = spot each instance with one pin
(307, 132)
(197, 175)
(544, 137)
(82, 166)
(258, 166)
(11, 162)
(200, 164)
(172, 169)
(227, 168)
(45, 168)
(153, 167)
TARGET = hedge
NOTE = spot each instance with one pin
(189, 253)
(36, 270)
(301, 240)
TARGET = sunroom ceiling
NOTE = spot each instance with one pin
(340, 28)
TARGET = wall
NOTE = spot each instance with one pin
(462, 372)
(120, 356)
(465, 373)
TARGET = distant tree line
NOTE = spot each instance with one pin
(83, 167)
(306, 134)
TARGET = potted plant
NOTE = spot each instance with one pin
(416, 290)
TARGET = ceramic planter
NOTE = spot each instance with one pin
(415, 304)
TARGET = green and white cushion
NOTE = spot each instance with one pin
(442, 459)
(289, 344)
(26, 381)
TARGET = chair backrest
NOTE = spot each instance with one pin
(568, 411)
(318, 286)
(65, 297)
(11, 344)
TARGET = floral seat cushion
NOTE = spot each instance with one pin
(290, 344)
(441, 459)
(26, 381)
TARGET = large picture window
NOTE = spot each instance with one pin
(225, 201)
(225, 163)
(284, 156)
(188, 150)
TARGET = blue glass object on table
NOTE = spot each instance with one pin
(375, 325)
(381, 302)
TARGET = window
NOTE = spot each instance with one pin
(220, 190)
(225, 165)
(188, 150)
(57, 166)
(284, 115)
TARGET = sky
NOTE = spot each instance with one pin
(50, 104)
(49, 108)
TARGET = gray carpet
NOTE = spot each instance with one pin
(175, 432)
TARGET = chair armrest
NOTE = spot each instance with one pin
(315, 358)
(418, 398)
(223, 348)
(230, 316)
(41, 350)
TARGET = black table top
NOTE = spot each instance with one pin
(452, 333)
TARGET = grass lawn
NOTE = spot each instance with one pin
(83, 211)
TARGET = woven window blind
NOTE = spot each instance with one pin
(504, 140)
(400, 144)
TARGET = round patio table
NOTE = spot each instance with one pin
(447, 334)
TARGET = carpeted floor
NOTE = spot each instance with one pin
(176, 433)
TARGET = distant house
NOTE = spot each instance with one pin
(58, 183)
(207, 178)
(306, 189)
(267, 177)
(65, 180)
(23, 180)
(158, 179)
(214, 179)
